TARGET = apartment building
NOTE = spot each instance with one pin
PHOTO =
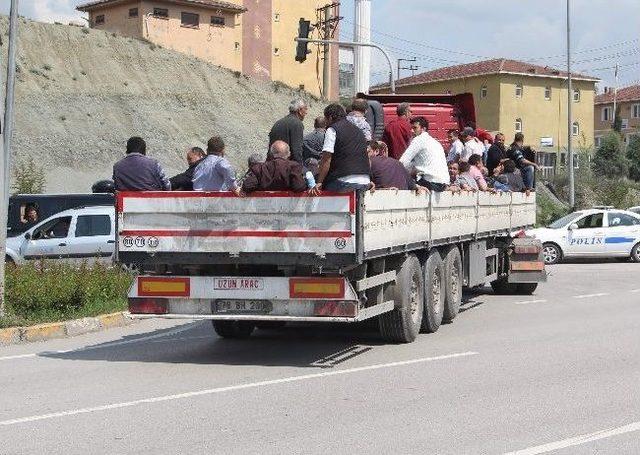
(628, 107)
(254, 37)
(512, 96)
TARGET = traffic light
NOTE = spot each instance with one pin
(302, 48)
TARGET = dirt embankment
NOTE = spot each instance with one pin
(82, 93)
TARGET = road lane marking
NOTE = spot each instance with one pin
(525, 302)
(587, 296)
(232, 388)
(182, 328)
(578, 440)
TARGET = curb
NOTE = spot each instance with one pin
(43, 332)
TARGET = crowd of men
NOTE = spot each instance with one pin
(341, 155)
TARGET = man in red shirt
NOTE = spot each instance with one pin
(398, 134)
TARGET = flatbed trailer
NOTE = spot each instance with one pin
(275, 257)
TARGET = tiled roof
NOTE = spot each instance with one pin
(495, 66)
(208, 3)
(631, 93)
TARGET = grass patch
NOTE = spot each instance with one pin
(49, 292)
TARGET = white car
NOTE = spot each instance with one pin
(634, 209)
(591, 233)
(81, 234)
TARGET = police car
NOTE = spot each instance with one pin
(74, 235)
(598, 232)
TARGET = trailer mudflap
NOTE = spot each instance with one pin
(526, 264)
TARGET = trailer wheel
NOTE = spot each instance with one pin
(271, 325)
(502, 287)
(453, 284)
(402, 324)
(434, 291)
(526, 288)
(233, 329)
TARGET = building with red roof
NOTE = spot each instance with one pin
(513, 96)
(628, 107)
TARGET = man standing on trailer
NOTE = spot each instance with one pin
(397, 134)
(427, 157)
(290, 129)
(344, 166)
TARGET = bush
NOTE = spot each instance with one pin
(50, 291)
(609, 160)
(633, 155)
(28, 178)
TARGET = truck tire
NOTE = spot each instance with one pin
(233, 329)
(434, 292)
(270, 325)
(453, 284)
(402, 324)
(502, 287)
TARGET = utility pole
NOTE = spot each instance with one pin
(615, 96)
(362, 54)
(572, 188)
(327, 24)
(5, 146)
(411, 68)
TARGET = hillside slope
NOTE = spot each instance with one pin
(82, 93)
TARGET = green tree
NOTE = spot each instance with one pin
(633, 155)
(609, 160)
(28, 178)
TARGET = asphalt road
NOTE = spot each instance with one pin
(557, 372)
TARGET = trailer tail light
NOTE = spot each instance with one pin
(527, 266)
(164, 286)
(316, 288)
(148, 306)
(335, 308)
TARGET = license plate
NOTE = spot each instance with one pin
(238, 284)
(243, 306)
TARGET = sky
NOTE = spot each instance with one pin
(448, 32)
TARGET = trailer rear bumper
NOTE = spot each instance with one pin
(363, 314)
(309, 299)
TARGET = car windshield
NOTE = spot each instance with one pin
(562, 222)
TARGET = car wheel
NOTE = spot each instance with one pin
(8, 260)
(635, 253)
(551, 253)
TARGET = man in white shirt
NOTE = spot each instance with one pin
(456, 148)
(427, 156)
(472, 146)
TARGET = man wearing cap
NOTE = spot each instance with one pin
(472, 146)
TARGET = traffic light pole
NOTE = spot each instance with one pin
(392, 81)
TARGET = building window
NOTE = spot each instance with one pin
(276, 17)
(576, 95)
(635, 111)
(190, 20)
(575, 128)
(276, 51)
(519, 91)
(598, 141)
(483, 91)
(217, 20)
(547, 93)
(606, 114)
(133, 12)
(237, 46)
(161, 13)
(625, 123)
(518, 125)
(99, 19)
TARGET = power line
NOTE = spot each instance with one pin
(451, 51)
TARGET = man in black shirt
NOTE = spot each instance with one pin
(184, 181)
(496, 153)
(527, 168)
